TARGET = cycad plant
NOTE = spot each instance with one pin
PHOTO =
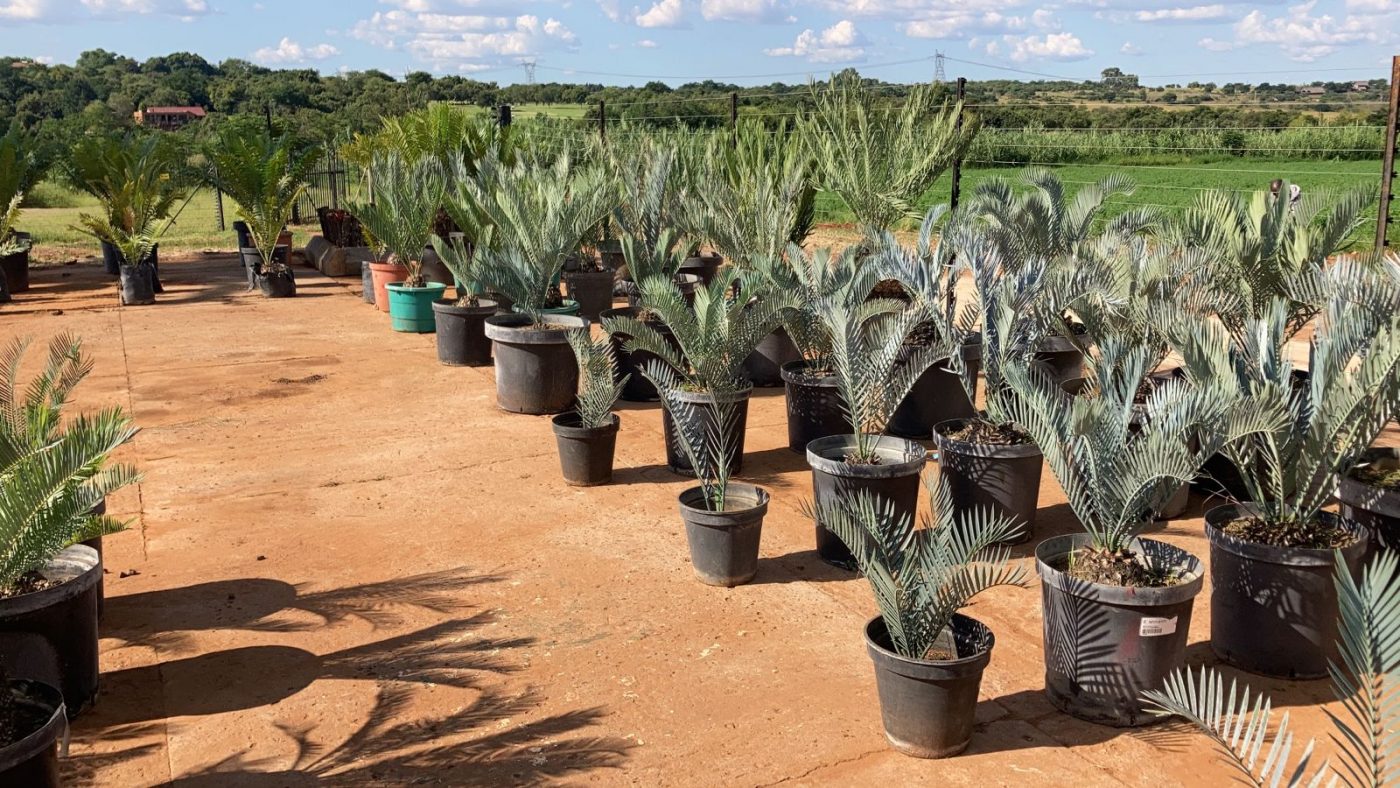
(539, 214)
(1044, 221)
(1239, 723)
(880, 159)
(264, 175)
(921, 575)
(1264, 249)
(53, 471)
(599, 383)
(811, 278)
(140, 182)
(407, 195)
(20, 170)
(649, 189)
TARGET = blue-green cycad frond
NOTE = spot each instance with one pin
(599, 386)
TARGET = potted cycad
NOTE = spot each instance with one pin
(813, 405)
(587, 435)
(1239, 722)
(138, 182)
(657, 260)
(699, 366)
(1273, 606)
(407, 197)
(929, 658)
(264, 175)
(873, 375)
(52, 476)
(20, 170)
(723, 519)
(1370, 496)
(1117, 607)
(461, 322)
(538, 214)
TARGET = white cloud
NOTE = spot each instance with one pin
(841, 42)
(289, 51)
(1199, 13)
(465, 42)
(1044, 19)
(612, 9)
(1373, 7)
(46, 11)
(769, 11)
(665, 13)
(945, 25)
(24, 10)
(1053, 46)
(647, 43)
(1305, 37)
(1129, 48)
(185, 9)
(1215, 45)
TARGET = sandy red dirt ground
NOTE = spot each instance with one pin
(346, 566)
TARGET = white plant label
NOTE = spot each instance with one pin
(1153, 627)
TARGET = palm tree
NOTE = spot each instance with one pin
(408, 194)
(264, 175)
(1239, 723)
(881, 160)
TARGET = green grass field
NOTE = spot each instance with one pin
(1166, 187)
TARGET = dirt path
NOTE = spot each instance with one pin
(346, 566)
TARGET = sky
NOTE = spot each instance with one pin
(747, 42)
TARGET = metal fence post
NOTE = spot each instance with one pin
(1383, 219)
(734, 118)
(330, 176)
(957, 163)
(219, 209)
(503, 116)
(602, 121)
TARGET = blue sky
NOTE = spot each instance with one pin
(744, 41)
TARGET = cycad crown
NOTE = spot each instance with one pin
(599, 386)
(264, 175)
(407, 195)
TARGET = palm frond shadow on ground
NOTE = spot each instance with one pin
(164, 618)
(465, 747)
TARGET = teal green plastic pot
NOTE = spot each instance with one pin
(411, 308)
(569, 308)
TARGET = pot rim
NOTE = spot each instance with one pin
(596, 274)
(81, 565)
(1124, 596)
(712, 397)
(698, 514)
(979, 449)
(1285, 556)
(44, 696)
(890, 660)
(563, 428)
(448, 306)
(384, 265)
(511, 329)
(1055, 343)
(792, 373)
(900, 450)
(426, 287)
(1360, 495)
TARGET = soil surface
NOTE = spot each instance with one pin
(379, 578)
(28, 583)
(1121, 568)
(1385, 477)
(1314, 535)
(989, 434)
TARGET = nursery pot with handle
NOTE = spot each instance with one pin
(536, 371)
(32, 761)
(50, 635)
(461, 332)
(929, 706)
(15, 267)
(1105, 645)
(382, 273)
(764, 365)
(702, 406)
(1004, 478)
(813, 406)
(411, 308)
(704, 267)
(1273, 610)
(894, 479)
(593, 290)
(937, 396)
(585, 453)
(724, 545)
(637, 388)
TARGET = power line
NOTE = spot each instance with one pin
(718, 77)
(1014, 70)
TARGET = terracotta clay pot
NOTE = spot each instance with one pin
(383, 274)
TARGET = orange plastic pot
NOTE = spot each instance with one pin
(382, 275)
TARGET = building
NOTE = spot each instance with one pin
(1312, 90)
(167, 118)
(1360, 86)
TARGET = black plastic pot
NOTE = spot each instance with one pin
(593, 290)
(813, 407)
(1273, 610)
(686, 282)
(32, 762)
(96, 544)
(113, 261)
(278, 284)
(137, 286)
(245, 236)
(15, 267)
(51, 635)
(705, 267)
(937, 396)
(928, 707)
(724, 545)
(1061, 358)
(637, 388)
(610, 251)
(535, 368)
(434, 269)
(585, 453)
(1105, 645)
(764, 366)
(1373, 508)
(461, 332)
(701, 406)
(1004, 478)
(252, 263)
(895, 479)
